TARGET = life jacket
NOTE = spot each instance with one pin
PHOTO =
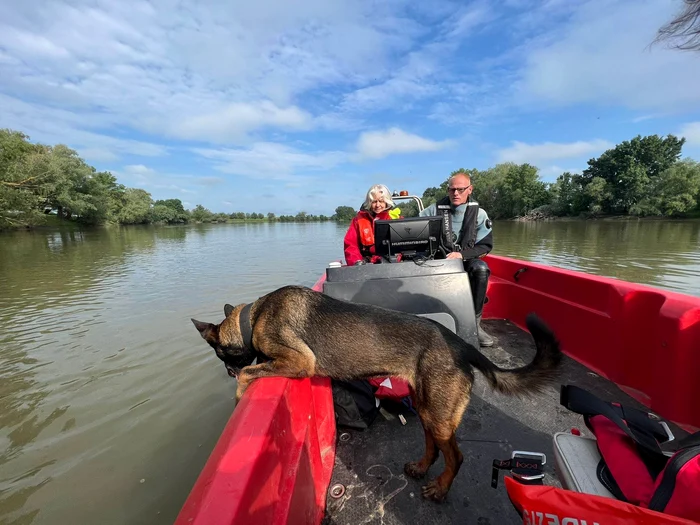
(366, 230)
(365, 227)
(466, 238)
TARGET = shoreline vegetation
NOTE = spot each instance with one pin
(49, 186)
(643, 178)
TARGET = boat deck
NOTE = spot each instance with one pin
(369, 464)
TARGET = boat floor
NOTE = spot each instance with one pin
(369, 464)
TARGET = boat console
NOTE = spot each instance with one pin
(438, 289)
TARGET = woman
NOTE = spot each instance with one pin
(359, 239)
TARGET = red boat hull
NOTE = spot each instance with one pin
(274, 460)
(644, 339)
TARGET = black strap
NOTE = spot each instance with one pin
(449, 237)
(607, 480)
(246, 328)
(692, 440)
(639, 427)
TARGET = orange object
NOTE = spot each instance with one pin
(366, 228)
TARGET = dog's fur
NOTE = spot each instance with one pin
(302, 333)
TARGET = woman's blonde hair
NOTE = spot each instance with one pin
(376, 191)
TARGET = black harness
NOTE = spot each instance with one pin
(467, 239)
(246, 328)
(448, 235)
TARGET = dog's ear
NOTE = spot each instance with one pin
(206, 330)
(228, 309)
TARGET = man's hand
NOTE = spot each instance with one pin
(454, 255)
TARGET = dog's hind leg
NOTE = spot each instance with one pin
(418, 469)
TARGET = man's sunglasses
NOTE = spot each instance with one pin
(459, 190)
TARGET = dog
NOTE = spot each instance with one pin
(299, 333)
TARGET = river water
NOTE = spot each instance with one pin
(110, 402)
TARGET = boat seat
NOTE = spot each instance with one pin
(576, 459)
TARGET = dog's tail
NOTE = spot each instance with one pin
(533, 377)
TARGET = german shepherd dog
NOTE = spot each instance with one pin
(302, 333)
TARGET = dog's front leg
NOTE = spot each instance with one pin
(248, 374)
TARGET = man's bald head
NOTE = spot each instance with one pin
(459, 188)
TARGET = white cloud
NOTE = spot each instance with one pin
(601, 55)
(138, 169)
(209, 71)
(231, 123)
(58, 126)
(521, 152)
(268, 160)
(691, 132)
(425, 72)
(642, 118)
(379, 144)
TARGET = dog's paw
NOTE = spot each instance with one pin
(414, 470)
(434, 491)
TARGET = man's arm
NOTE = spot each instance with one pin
(429, 211)
(484, 238)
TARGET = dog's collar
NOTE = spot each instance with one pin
(246, 328)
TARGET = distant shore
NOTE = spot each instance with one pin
(603, 218)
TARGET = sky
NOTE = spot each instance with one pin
(301, 106)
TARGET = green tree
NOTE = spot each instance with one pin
(630, 169)
(22, 174)
(675, 192)
(170, 211)
(201, 214)
(160, 213)
(509, 190)
(344, 213)
(488, 189)
(567, 195)
(136, 207)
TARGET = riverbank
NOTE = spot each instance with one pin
(52, 222)
(536, 216)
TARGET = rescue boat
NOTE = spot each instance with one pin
(281, 459)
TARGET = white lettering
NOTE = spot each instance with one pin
(553, 519)
(406, 243)
(531, 517)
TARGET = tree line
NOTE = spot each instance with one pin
(38, 181)
(644, 176)
(641, 177)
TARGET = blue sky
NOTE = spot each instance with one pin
(287, 106)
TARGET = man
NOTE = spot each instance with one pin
(472, 239)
